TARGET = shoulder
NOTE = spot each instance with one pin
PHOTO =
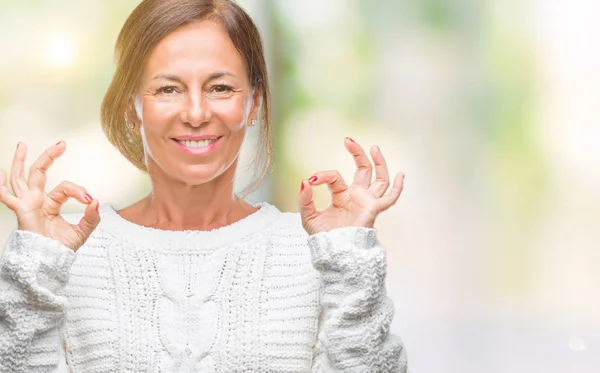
(288, 222)
(291, 221)
(286, 232)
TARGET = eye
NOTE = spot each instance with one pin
(222, 88)
(167, 90)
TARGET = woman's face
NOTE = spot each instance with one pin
(193, 104)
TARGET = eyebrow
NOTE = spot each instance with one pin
(178, 79)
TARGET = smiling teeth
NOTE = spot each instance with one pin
(196, 144)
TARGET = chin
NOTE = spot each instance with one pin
(198, 174)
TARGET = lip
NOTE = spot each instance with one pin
(202, 151)
(196, 138)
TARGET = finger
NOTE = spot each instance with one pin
(364, 169)
(17, 182)
(335, 183)
(37, 173)
(392, 196)
(308, 211)
(89, 221)
(5, 196)
(382, 175)
(66, 190)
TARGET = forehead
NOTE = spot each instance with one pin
(200, 47)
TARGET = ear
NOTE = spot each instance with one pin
(256, 101)
(131, 114)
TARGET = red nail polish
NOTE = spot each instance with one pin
(88, 198)
(350, 139)
(313, 179)
(302, 186)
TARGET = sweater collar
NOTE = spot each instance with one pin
(168, 240)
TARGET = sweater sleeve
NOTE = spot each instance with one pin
(356, 313)
(33, 270)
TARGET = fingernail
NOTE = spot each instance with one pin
(58, 143)
(302, 186)
(350, 139)
(98, 207)
(88, 198)
(312, 179)
(18, 145)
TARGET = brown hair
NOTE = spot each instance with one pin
(149, 23)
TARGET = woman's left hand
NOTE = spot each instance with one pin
(357, 205)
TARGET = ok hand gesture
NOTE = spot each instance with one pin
(357, 205)
(40, 212)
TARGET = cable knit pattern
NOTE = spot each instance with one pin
(258, 295)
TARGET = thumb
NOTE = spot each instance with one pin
(306, 204)
(90, 220)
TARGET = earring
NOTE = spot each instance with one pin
(127, 123)
(253, 123)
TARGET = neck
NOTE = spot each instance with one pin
(174, 205)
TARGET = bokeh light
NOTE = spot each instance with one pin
(60, 51)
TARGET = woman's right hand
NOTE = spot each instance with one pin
(40, 212)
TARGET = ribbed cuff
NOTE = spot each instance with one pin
(337, 247)
(52, 259)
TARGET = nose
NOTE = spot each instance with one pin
(196, 110)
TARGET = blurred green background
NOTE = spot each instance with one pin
(489, 107)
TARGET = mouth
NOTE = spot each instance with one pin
(197, 147)
(197, 144)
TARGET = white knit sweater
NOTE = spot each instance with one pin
(259, 295)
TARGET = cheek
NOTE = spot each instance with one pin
(157, 112)
(231, 112)
(156, 117)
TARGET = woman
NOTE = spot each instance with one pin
(192, 278)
